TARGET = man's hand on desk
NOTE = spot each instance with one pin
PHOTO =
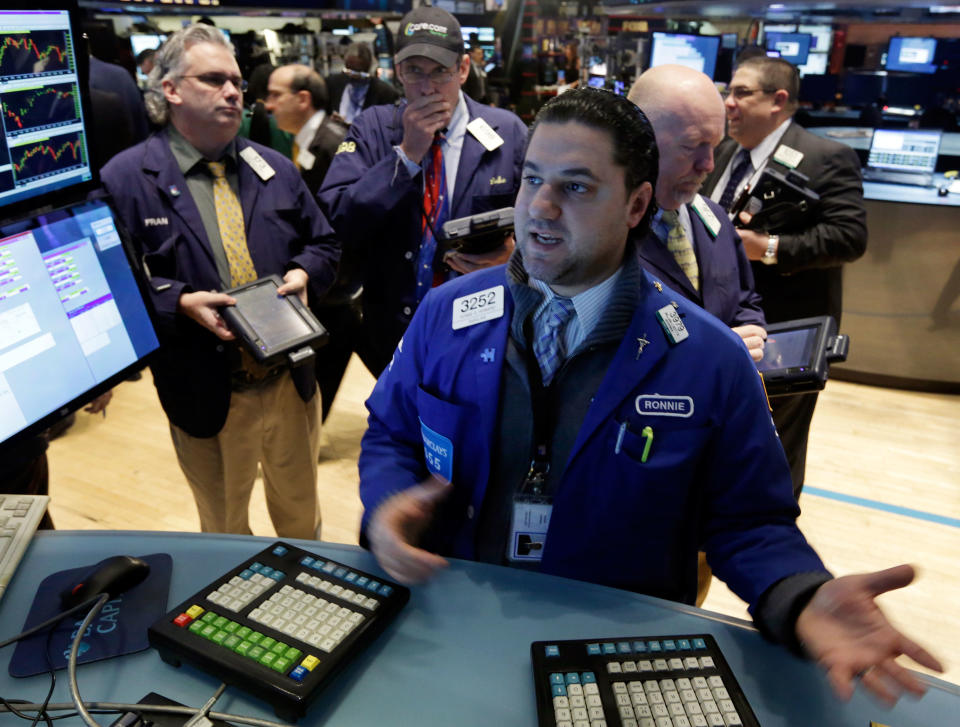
(847, 634)
(464, 263)
(396, 526)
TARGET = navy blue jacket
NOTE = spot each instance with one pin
(285, 229)
(726, 280)
(374, 204)
(716, 478)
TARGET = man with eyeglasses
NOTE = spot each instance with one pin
(796, 266)
(210, 211)
(404, 169)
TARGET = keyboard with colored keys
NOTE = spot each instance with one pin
(279, 625)
(637, 681)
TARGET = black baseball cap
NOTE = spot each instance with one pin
(432, 33)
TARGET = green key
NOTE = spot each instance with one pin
(254, 637)
(293, 654)
(196, 626)
(221, 621)
(255, 652)
(209, 616)
(231, 627)
(243, 648)
(268, 659)
(281, 665)
(279, 648)
(267, 641)
(244, 632)
(219, 637)
(231, 641)
(208, 631)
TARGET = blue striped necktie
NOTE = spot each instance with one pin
(548, 346)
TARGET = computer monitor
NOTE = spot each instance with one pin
(913, 55)
(694, 51)
(793, 47)
(728, 41)
(139, 42)
(43, 145)
(818, 89)
(73, 318)
(816, 65)
(821, 36)
(862, 89)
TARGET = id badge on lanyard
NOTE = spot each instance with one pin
(529, 521)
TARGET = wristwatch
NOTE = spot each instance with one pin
(770, 256)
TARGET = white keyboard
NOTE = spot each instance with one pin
(19, 517)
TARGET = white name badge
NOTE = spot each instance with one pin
(484, 305)
(483, 133)
(672, 324)
(257, 163)
(706, 214)
(528, 530)
(788, 156)
(306, 159)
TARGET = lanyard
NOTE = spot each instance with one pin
(544, 420)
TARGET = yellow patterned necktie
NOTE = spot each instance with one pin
(232, 233)
(680, 247)
(295, 153)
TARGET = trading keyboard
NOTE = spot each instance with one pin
(19, 517)
(280, 625)
(637, 681)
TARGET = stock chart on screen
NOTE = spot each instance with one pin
(43, 146)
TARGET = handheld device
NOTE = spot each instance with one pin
(777, 200)
(273, 328)
(478, 233)
(798, 354)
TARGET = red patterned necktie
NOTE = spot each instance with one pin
(435, 213)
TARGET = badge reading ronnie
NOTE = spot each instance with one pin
(671, 324)
(484, 305)
(665, 406)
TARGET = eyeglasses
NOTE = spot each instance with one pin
(218, 80)
(438, 76)
(742, 92)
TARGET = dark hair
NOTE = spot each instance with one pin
(361, 51)
(776, 74)
(310, 80)
(634, 145)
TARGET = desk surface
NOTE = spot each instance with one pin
(457, 655)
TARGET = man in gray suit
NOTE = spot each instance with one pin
(796, 266)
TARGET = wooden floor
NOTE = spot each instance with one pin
(892, 449)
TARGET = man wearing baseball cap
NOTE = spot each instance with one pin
(406, 168)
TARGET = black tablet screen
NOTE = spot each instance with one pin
(789, 349)
(273, 319)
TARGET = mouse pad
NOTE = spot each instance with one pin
(120, 627)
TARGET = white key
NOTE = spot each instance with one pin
(267, 619)
(591, 688)
(562, 714)
(315, 582)
(699, 683)
(693, 708)
(302, 634)
(676, 709)
(643, 710)
(623, 700)
(654, 697)
(256, 614)
(561, 703)
(359, 599)
(644, 665)
(681, 721)
(732, 719)
(720, 693)
(706, 662)
(625, 713)
(325, 629)
(688, 695)
(582, 723)
(336, 590)
(715, 720)
(660, 665)
(676, 664)
(648, 722)
(299, 607)
(236, 604)
(347, 595)
(325, 586)
(705, 695)
(286, 589)
(635, 687)
(343, 612)
(355, 617)
(328, 645)
(651, 685)
(598, 723)
(577, 700)
(613, 667)
(672, 696)
(302, 577)
(371, 603)
(628, 722)
(334, 620)
(337, 635)
(214, 597)
(697, 720)
(286, 601)
(575, 690)
(279, 623)
(691, 662)
(300, 619)
(715, 681)
(664, 722)
(659, 710)
(580, 714)
(683, 683)
(726, 705)
(619, 687)
(331, 607)
(710, 707)
(595, 713)
(667, 684)
(629, 666)
(638, 697)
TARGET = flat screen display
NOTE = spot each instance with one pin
(43, 146)
(694, 51)
(793, 47)
(789, 349)
(139, 42)
(913, 55)
(72, 318)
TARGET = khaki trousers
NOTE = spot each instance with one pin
(269, 425)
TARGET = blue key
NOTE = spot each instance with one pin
(329, 567)
(669, 645)
(559, 690)
(266, 571)
(557, 678)
(385, 590)
(640, 647)
(279, 551)
(624, 647)
(298, 673)
(306, 561)
(572, 677)
(246, 573)
(373, 586)
(255, 567)
(654, 646)
(278, 575)
(609, 648)
(552, 650)
(683, 645)
(362, 582)
(351, 577)
(318, 564)
(593, 649)
(588, 677)
(340, 572)
(699, 644)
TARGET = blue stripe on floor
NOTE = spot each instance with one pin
(885, 507)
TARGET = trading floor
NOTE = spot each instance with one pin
(882, 488)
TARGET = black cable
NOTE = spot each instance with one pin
(53, 683)
(49, 622)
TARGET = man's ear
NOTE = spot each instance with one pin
(464, 70)
(637, 205)
(780, 99)
(171, 92)
(303, 99)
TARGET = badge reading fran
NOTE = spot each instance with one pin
(665, 406)
(484, 305)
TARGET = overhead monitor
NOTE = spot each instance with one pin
(817, 64)
(793, 47)
(43, 147)
(73, 319)
(694, 51)
(913, 55)
(821, 36)
(139, 42)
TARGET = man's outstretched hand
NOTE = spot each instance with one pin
(844, 630)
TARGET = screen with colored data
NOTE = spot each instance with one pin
(44, 144)
(698, 52)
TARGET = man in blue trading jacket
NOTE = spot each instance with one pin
(210, 211)
(571, 414)
(405, 169)
(692, 245)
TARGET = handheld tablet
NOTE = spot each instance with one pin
(798, 354)
(479, 233)
(273, 328)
